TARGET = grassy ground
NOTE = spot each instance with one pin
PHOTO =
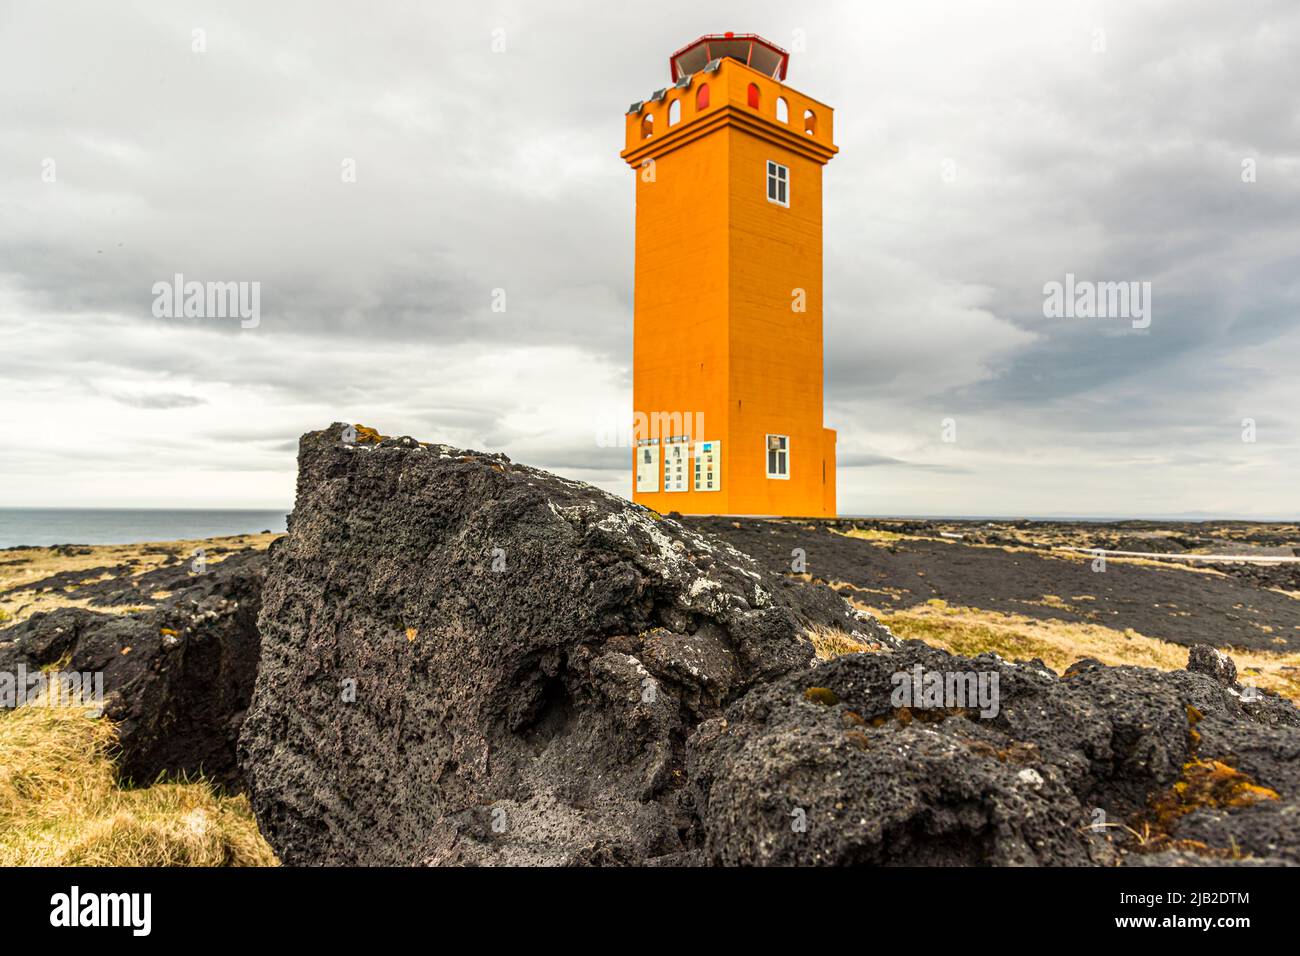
(968, 631)
(60, 801)
(60, 804)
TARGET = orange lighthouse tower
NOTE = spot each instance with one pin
(727, 364)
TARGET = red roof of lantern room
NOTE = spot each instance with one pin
(749, 48)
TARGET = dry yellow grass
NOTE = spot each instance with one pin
(874, 534)
(60, 804)
(968, 631)
(897, 594)
(831, 642)
(1169, 564)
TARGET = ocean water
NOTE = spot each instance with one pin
(46, 526)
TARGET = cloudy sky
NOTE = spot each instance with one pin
(986, 150)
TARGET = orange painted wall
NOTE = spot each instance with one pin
(716, 269)
(679, 362)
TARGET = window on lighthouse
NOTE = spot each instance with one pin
(778, 184)
(778, 456)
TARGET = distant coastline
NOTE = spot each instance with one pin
(42, 527)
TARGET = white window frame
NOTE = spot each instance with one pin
(767, 440)
(774, 170)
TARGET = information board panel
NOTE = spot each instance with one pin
(676, 462)
(708, 466)
(647, 466)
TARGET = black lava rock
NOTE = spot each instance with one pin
(177, 676)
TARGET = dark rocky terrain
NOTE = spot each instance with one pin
(178, 669)
(1165, 537)
(1099, 767)
(469, 661)
(1175, 604)
(466, 661)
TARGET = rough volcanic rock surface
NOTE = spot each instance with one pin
(177, 676)
(465, 660)
(468, 661)
(1051, 779)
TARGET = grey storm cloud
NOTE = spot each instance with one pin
(161, 400)
(986, 150)
(871, 460)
